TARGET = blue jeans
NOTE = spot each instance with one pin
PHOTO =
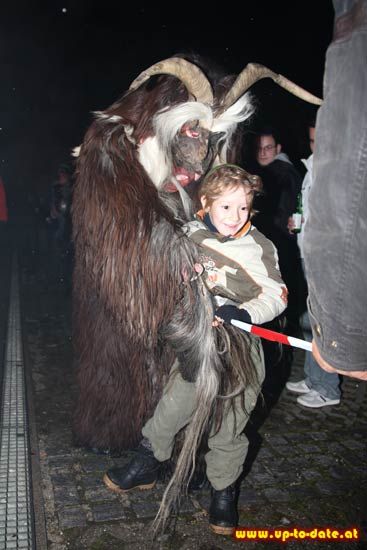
(335, 237)
(316, 378)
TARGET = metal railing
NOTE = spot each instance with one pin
(16, 516)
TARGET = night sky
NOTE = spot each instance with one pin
(62, 60)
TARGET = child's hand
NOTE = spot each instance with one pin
(226, 313)
(198, 268)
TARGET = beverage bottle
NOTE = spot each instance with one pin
(297, 216)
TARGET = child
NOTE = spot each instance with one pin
(241, 265)
(241, 269)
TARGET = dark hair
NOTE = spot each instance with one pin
(268, 131)
(311, 122)
(311, 118)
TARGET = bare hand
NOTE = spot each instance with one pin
(360, 374)
(291, 225)
(217, 321)
(198, 268)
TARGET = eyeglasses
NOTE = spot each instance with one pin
(266, 149)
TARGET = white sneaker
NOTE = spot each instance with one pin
(315, 400)
(298, 387)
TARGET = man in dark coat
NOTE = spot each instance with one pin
(281, 184)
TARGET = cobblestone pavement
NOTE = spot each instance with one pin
(307, 467)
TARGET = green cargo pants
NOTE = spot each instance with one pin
(227, 448)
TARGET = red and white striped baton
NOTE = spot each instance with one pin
(272, 335)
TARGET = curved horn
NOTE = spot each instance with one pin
(190, 75)
(254, 72)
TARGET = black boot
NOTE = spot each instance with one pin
(223, 515)
(198, 481)
(141, 472)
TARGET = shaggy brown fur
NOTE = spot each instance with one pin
(138, 302)
(124, 285)
(130, 262)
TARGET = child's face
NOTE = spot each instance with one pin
(229, 212)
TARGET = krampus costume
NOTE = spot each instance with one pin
(138, 302)
(133, 265)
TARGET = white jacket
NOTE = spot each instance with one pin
(306, 188)
(242, 270)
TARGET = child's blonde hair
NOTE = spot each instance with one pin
(229, 176)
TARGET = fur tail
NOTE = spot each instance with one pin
(192, 336)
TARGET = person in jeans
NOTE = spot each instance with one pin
(318, 388)
(240, 267)
(335, 243)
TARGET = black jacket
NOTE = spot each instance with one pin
(281, 185)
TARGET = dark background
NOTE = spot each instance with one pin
(62, 60)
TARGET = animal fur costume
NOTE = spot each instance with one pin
(137, 301)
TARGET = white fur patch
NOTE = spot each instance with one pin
(167, 123)
(227, 122)
(241, 110)
(154, 161)
(103, 116)
(129, 132)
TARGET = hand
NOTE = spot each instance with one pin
(359, 374)
(232, 312)
(198, 268)
(290, 225)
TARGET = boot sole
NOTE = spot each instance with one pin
(221, 530)
(117, 489)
